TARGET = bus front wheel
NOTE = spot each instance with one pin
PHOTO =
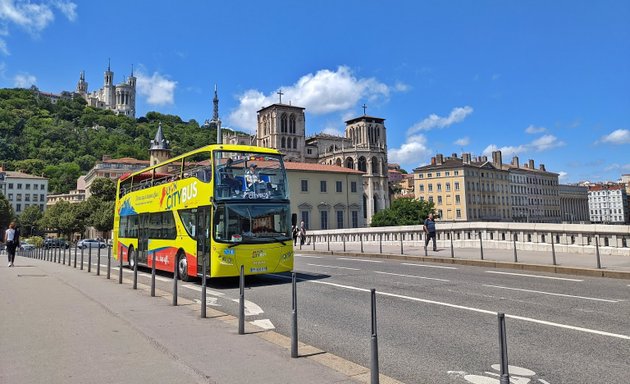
(182, 267)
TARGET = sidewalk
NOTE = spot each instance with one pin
(63, 325)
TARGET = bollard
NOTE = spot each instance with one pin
(343, 237)
(505, 375)
(75, 254)
(402, 250)
(361, 238)
(241, 302)
(98, 261)
(481, 245)
(294, 327)
(374, 343)
(54, 255)
(175, 277)
(82, 258)
(109, 262)
(63, 254)
(452, 249)
(153, 275)
(553, 250)
(515, 253)
(89, 259)
(313, 239)
(203, 286)
(120, 267)
(135, 269)
(69, 258)
(380, 242)
(599, 261)
(328, 242)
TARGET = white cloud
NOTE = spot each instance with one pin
(3, 47)
(69, 9)
(506, 150)
(562, 176)
(401, 87)
(541, 144)
(464, 141)
(457, 115)
(158, 89)
(410, 152)
(546, 142)
(534, 130)
(333, 129)
(24, 80)
(620, 136)
(320, 93)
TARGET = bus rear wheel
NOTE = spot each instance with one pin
(182, 266)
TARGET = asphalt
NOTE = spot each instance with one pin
(64, 325)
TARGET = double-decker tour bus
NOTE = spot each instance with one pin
(229, 203)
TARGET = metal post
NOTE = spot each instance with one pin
(120, 267)
(328, 242)
(361, 238)
(599, 261)
(98, 261)
(505, 374)
(82, 248)
(313, 239)
(75, 254)
(426, 243)
(241, 302)
(402, 250)
(294, 327)
(515, 253)
(452, 249)
(153, 274)
(204, 285)
(69, 258)
(135, 269)
(109, 262)
(374, 379)
(343, 237)
(63, 253)
(89, 259)
(481, 245)
(175, 277)
(55, 255)
(380, 242)
(553, 250)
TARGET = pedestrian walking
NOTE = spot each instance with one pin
(302, 233)
(429, 230)
(10, 239)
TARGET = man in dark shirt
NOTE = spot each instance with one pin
(429, 230)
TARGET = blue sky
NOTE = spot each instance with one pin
(543, 80)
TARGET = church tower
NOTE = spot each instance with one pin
(108, 87)
(160, 150)
(282, 127)
(82, 85)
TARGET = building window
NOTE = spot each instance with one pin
(353, 186)
(448, 187)
(18, 207)
(10, 185)
(339, 219)
(439, 200)
(457, 199)
(458, 213)
(456, 173)
(324, 219)
(339, 186)
(10, 196)
(421, 186)
(304, 185)
(429, 175)
(430, 199)
(18, 197)
(35, 186)
(457, 185)
(322, 186)
(439, 187)
(309, 151)
(420, 175)
(19, 186)
(27, 186)
(41, 197)
(447, 173)
(305, 219)
(355, 219)
(438, 174)
(430, 187)
(27, 197)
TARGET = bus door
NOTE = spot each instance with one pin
(202, 235)
(143, 239)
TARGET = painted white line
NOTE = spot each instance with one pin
(264, 324)
(428, 266)
(251, 309)
(478, 310)
(553, 294)
(412, 276)
(310, 257)
(198, 289)
(333, 266)
(352, 259)
(536, 276)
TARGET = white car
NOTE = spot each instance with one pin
(91, 243)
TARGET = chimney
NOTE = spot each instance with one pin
(542, 167)
(497, 159)
(531, 164)
(515, 162)
(454, 156)
(483, 159)
(466, 158)
(439, 158)
(433, 161)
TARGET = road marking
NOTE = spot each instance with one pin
(264, 324)
(478, 310)
(333, 266)
(554, 294)
(412, 276)
(251, 309)
(311, 257)
(536, 276)
(352, 259)
(428, 266)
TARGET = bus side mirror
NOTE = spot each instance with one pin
(294, 219)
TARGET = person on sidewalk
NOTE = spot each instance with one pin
(10, 241)
(429, 230)
(302, 233)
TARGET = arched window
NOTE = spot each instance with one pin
(295, 143)
(375, 169)
(350, 163)
(265, 125)
(283, 123)
(364, 207)
(292, 123)
(362, 164)
(375, 203)
(284, 143)
(338, 162)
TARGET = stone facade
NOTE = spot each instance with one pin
(282, 127)
(574, 203)
(120, 98)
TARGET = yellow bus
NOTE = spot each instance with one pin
(229, 203)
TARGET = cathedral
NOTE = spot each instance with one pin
(120, 98)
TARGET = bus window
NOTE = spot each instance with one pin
(252, 223)
(198, 165)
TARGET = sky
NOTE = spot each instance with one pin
(542, 80)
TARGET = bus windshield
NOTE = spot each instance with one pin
(247, 223)
(251, 176)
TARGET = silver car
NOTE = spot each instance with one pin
(91, 243)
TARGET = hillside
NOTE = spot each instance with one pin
(64, 140)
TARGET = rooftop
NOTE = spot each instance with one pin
(314, 167)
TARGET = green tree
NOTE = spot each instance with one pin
(403, 211)
(64, 218)
(104, 189)
(29, 219)
(6, 213)
(102, 217)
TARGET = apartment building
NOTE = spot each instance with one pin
(23, 190)
(608, 204)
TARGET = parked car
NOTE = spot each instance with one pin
(26, 246)
(91, 243)
(56, 243)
